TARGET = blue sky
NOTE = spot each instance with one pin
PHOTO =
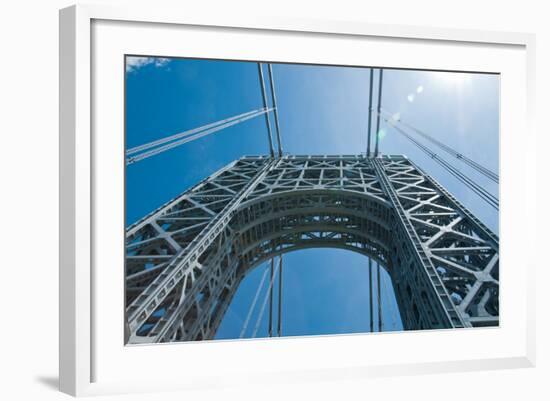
(322, 110)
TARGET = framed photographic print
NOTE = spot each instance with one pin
(253, 200)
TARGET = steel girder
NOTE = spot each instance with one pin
(186, 259)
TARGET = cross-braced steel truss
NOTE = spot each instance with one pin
(186, 259)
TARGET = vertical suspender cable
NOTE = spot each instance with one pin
(370, 112)
(270, 328)
(280, 300)
(253, 305)
(276, 110)
(371, 317)
(379, 298)
(262, 309)
(378, 114)
(267, 121)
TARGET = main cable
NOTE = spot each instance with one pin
(473, 164)
(158, 142)
(188, 136)
(475, 187)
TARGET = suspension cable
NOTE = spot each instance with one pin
(155, 147)
(280, 299)
(370, 112)
(478, 189)
(264, 98)
(262, 309)
(376, 138)
(378, 297)
(275, 109)
(270, 320)
(371, 316)
(253, 304)
(171, 138)
(187, 136)
(473, 164)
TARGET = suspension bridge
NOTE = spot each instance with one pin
(186, 259)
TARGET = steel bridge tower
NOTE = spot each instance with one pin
(185, 260)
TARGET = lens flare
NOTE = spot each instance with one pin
(420, 89)
(453, 79)
(410, 98)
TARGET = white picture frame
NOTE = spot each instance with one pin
(79, 217)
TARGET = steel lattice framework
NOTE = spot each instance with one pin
(185, 260)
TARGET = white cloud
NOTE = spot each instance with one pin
(134, 63)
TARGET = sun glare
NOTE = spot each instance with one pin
(453, 78)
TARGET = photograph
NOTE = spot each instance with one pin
(280, 199)
(295, 200)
